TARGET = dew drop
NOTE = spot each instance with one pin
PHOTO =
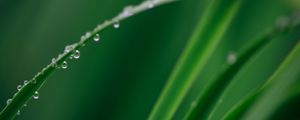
(19, 87)
(71, 57)
(18, 113)
(82, 38)
(150, 3)
(194, 104)
(59, 56)
(231, 58)
(87, 34)
(25, 82)
(25, 105)
(76, 54)
(127, 11)
(64, 65)
(53, 63)
(116, 24)
(8, 101)
(105, 22)
(96, 38)
(68, 48)
(282, 22)
(36, 95)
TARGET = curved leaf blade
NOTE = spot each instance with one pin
(202, 44)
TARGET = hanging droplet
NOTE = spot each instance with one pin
(231, 58)
(19, 87)
(96, 38)
(116, 24)
(71, 57)
(25, 82)
(18, 113)
(64, 65)
(8, 101)
(76, 54)
(36, 95)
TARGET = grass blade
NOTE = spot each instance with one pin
(212, 92)
(28, 90)
(202, 44)
(275, 90)
(240, 108)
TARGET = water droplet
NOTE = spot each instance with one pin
(68, 48)
(76, 54)
(71, 56)
(194, 104)
(18, 113)
(105, 22)
(64, 65)
(25, 105)
(25, 82)
(59, 56)
(87, 34)
(82, 38)
(96, 37)
(231, 58)
(53, 62)
(282, 22)
(19, 87)
(8, 101)
(36, 95)
(150, 3)
(127, 11)
(116, 24)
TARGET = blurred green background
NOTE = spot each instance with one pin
(120, 77)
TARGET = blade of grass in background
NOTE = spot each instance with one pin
(206, 37)
(29, 89)
(277, 87)
(211, 93)
(240, 108)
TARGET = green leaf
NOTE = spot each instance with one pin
(207, 98)
(28, 90)
(277, 87)
(240, 108)
(202, 44)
